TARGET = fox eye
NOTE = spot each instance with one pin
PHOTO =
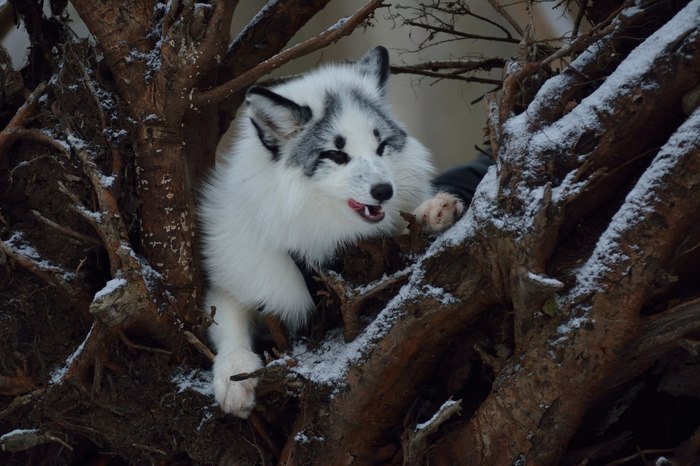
(337, 156)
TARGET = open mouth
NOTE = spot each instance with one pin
(370, 213)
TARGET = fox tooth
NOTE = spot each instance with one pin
(366, 211)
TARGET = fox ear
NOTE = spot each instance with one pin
(375, 63)
(275, 118)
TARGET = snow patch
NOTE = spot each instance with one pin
(547, 281)
(196, 380)
(5, 438)
(22, 247)
(557, 137)
(92, 215)
(107, 181)
(576, 322)
(636, 208)
(18, 433)
(338, 24)
(301, 437)
(364, 289)
(442, 409)
(110, 287)
(61, 372)
(329, 363)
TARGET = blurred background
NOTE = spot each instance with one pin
(438, 112)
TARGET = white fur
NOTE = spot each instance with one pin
(256, 210)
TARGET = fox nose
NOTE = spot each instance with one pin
(382, 192)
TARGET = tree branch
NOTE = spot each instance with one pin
(502, 11)
(342, 28)
(460, 34)
(564, 362)
(26, 112)
(390, 345)
(456, 75)
(658, 334)
(267, 33)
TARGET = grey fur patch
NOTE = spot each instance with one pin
(387, 131)
(311, 142)
(320, 135)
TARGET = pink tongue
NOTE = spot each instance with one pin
(354, 205)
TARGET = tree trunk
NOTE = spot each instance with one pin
(560, 311)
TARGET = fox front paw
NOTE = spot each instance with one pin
(439, 212)
(235, 397)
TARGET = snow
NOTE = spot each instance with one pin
(557, 137)
(572, 324)
(107, 181)
(608, 251)
(301, 437)
(20, 246)
(199, 381)
(59, 373)
(110, 287)
(17, 433)
(89, 214)
(150, 275)
(338, 24)
(152, 59)
(196, 380)
(76, 142)
(329, 363)
(364, 289)
(440, 295)
(447, 404)
(547, 281)
(637, 206)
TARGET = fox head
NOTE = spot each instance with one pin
(333, 127)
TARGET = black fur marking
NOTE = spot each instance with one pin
(339, 142)
(376, 63)
(380, 148)
(302, 114)
(384, 69)
(270, 143)
(395, 136)
(337, 156)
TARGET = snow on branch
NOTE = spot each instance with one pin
(18, 249)
(329, 364)
(24, 439)
(646, 199)
(415, 440)
(637, 71)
